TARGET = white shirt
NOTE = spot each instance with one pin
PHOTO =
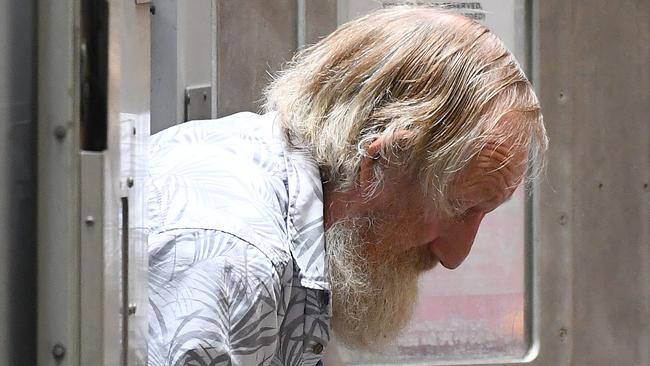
(236, 252)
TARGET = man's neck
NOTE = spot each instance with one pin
(337, 204)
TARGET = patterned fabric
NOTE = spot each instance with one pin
(236, 250)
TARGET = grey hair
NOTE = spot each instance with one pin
(444, 79)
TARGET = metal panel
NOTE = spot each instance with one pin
(17, 183)
(133, 31)
(58, 212)
(126, 243)
(167, 96)
(121, 79)
(133, 163)
(196, 41)
(84, 300)
(251, 41)
(92, 258)
(552, 297)
(96, 341)
(607, 100)
(182, 46)
(198, 100)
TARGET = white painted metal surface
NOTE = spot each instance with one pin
(126, 250)
(198, 102)
(58, 184)
(134, 131)
(92, 263)
(92, 260)
(182, 48)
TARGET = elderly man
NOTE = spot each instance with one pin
(384, 147)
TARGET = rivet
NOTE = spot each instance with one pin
(600, 186)
(130, 182)
(59, 132)
(152, 9)
(132, 309)
(563, 219)
(90, 221)
(58, 351)
(563, 334)
(562, 97)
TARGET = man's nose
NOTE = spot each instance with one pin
(455, 245)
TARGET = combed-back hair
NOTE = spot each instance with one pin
(432, 82)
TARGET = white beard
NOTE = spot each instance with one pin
(371, 302)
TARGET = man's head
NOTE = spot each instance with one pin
(422, 123)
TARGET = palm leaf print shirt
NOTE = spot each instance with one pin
(237, 270)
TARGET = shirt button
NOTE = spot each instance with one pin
(317, 348)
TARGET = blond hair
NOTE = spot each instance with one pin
(441, 77)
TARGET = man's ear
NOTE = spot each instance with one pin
(373, 157)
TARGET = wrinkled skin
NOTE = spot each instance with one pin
(404, 218)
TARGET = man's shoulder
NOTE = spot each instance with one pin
(243, 125)
(227, 174)
(231, 147)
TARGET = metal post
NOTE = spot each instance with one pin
(58, 188)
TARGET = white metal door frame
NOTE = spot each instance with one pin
(92, 249)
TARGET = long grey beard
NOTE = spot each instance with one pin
(371, 303)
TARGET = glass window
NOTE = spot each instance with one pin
(476, 311)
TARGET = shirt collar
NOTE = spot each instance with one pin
(305, 219)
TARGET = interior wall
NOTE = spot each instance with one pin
(252, 42)
(166, 96)
(195, 18)
(181, 56)
(17, 183)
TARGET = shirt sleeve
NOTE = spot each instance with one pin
(213, 300)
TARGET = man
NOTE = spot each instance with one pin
(384, 146)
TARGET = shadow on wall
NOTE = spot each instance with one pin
(18, 255)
